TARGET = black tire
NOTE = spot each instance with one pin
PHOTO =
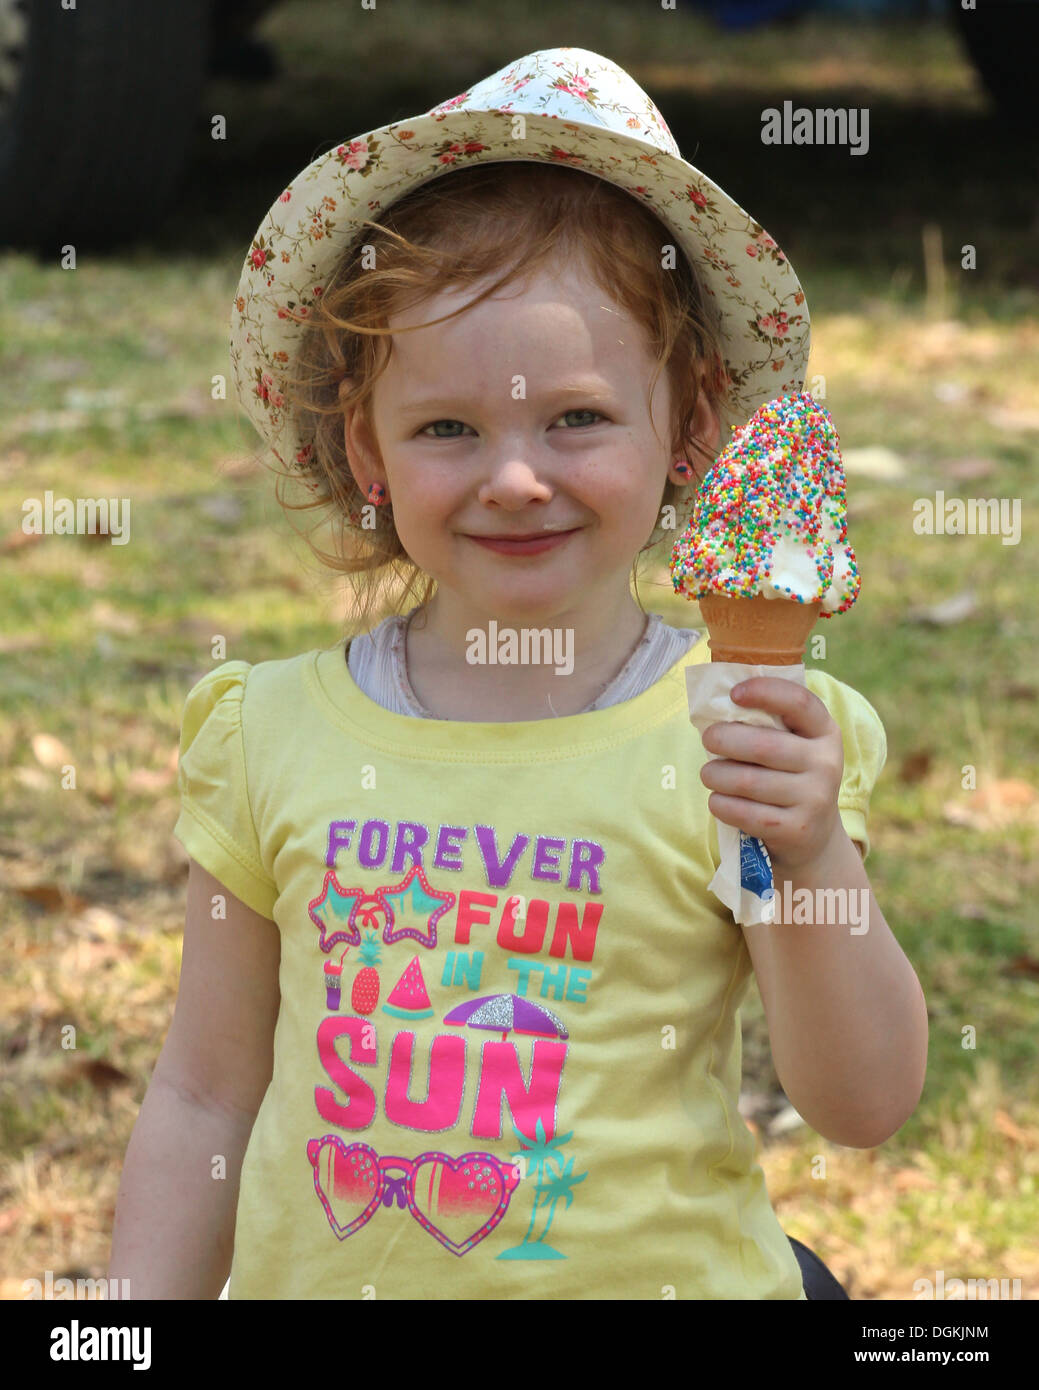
(1000, 37)
(95, 137)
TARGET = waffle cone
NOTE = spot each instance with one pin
(758, 631)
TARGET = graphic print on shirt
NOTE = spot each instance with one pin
(468, 1195)
(402, 906)
(457, 1199)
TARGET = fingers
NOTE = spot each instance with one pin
(750, 743)
(756, 784)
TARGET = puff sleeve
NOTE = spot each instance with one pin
(865, 749)
(215, 824)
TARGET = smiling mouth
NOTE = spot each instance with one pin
(544, 535)
(539, 544)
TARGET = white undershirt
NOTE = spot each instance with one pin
(376, 662)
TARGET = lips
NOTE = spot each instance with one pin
(537, 544)
(529, 535)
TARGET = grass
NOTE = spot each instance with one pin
(108, 376)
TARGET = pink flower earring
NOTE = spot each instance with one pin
(377, 494)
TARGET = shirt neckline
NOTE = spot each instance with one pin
(398, 639)
(326, 674)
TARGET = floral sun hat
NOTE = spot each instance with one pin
(578, 109)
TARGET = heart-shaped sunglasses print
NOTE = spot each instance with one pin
(459, 1201)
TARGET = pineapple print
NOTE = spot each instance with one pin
(365, 993)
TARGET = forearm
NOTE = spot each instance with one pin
(846, 1014)
(174, 1224)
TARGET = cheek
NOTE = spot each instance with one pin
(426, 487)
(423, 517)
(622, 487)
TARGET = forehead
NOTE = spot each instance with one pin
(550, 317)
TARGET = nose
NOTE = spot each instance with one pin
(513, 482)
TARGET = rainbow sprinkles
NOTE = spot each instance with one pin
(771, 516)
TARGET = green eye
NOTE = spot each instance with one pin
(434, 423)
(582, 412)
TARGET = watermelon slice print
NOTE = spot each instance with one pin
(408, 997)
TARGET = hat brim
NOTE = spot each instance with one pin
(750, 287)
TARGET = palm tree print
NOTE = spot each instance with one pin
(549, 1187)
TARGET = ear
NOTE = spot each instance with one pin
(706, 434)
(362, 453)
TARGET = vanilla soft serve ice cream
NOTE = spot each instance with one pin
(771, 516)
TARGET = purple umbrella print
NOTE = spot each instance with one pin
(505, 1013)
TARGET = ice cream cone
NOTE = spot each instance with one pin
(758, 631)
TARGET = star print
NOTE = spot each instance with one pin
(333, 907)
(411, 909)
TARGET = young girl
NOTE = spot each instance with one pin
(458, 1016)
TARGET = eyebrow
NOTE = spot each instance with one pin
(597, 391)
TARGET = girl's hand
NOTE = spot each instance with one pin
(778, 784)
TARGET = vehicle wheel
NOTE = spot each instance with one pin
(98, 107)
(1001, 37)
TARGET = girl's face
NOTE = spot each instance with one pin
(526, 414)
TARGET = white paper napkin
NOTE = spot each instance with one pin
(743, 881)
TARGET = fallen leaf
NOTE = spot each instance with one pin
(50, 752)
(24, 642)
(915, 766)
(53, 897)
(952, 610)
(1023, 965)
(994, 805)
(788, 1119)
(106, 615)
(939, 343)
(147, 779)
(1015, 691)
(97, 923)
(912, 1180)
(14, 460)
(83, 958)
(18, 540)
(951, 392)
(967, 469)
(34, 778)
(1006, 1126)
(1010, 792)
(874, 462)
(1007, 418)
(9, 1219)
(101, 1075)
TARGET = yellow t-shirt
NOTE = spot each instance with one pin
(523, 1083)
